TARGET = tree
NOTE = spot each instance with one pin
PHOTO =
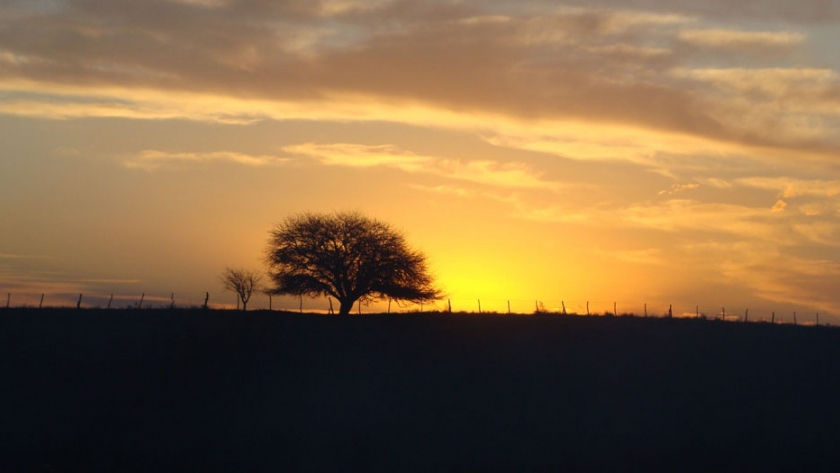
(346, 256)
(243, 282)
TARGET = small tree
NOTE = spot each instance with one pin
(243, 282)
(347, 256)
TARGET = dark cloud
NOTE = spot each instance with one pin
(803, 12)
(592, 64)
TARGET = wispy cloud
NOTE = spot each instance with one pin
(9, 256)
(153, 159)
(490, 173)
(677, 188)
(736, 39)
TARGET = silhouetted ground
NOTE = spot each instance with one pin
(159, 390)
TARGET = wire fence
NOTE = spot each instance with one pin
(489, 306)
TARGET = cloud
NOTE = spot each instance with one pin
(742, 40)
(356, 155)
(790, 187)
(9, 256)
(677, 188)
(770, 82)
(473, 62)
(512, 175)
(688, 216)
(153, 159)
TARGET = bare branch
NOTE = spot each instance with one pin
(242, 282)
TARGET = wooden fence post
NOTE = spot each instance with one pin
(615, 311)
(670, 311)
(110, 300)
(773, 318)
(449, 303)
(79, 302)
(331, 307)
(172, 303)
(562, 303)
(646, 309)
(508, 307)
(41, 304)
(479, 306)
(140, 304)
(587, 307)
(206, 298)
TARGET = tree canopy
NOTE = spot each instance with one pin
(347, 256)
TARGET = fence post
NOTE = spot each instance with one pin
(479, 306)
(747, 315)
(79, 303)
(8, 300)
(587, 307)
(794, 319)
(645, 309)
(301, 304)
(140, 304)
(773, 318)
(41, 304)
(110, 300)
(389, 305)
(615, 311)
(563, 303)
(172, 304)
(206, 298)
(329, 299)
(508, 307)
(449, 302)
(670, 311)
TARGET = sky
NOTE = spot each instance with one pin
(667, 153)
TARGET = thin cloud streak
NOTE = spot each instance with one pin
(154, 159)
(489, 173)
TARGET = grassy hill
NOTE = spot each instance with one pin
(188, 390)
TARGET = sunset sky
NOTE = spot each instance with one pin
(643, 151)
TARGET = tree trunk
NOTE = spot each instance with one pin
(346, 306)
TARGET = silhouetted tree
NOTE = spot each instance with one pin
(243, 282)
(347, 256)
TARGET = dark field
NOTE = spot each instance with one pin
(159, 390)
